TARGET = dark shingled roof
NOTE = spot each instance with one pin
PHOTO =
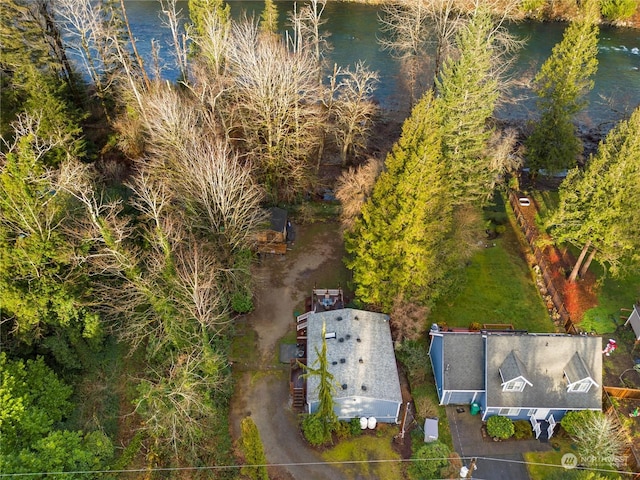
(512, 368)
(278, 219)
(545, 357)
(360, 352)
(576, 370)
(463, 360)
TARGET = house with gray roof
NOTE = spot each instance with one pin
(362, 361)
(537, 377)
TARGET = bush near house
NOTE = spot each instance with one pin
(432, 458)
(573, 419)
(313, 430)
(522, 429)
(500, 427)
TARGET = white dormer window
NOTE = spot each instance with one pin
(579, 387)
(514, 386)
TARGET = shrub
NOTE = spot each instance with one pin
(253, 451)
(433, 457)
(572, 419)
(533, 8)
(241, 302)
(475, 326)
(522, 429)
(500, 427)
(343, 430)
(414, 355)
(354, 427)
(313, 430)
(616, 10)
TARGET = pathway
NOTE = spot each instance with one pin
(263, 392)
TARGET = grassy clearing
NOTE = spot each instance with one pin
(244, 345)
(613, 294)
(497, 288)
(543, 465)
(365, 449)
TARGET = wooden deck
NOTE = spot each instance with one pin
(321, 300)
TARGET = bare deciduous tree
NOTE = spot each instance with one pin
(407, 319)
(173, 20)
(175, 401)
(277, 95)
(354, 187)
(307, 34)
(406, 28)
(202, 172)
(601, 441)
(504, 153)
(353, 109)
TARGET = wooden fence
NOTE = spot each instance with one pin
(633, 456)
(531, 234)
(621, 392)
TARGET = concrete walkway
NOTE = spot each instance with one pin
(504, 459)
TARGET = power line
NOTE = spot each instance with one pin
(303, 464)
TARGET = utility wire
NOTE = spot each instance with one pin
(303, 464)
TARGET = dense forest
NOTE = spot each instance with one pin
(129, 206)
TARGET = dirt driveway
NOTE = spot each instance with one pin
(262, 389)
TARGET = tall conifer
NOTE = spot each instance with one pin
(562, 85)
(598, 207)
(398, 245)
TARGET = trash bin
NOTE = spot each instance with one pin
(475, 409)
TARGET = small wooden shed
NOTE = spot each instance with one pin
(273, 239)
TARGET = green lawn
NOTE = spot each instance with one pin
(365, 450)
(497, 288)
(613, 295)
(544, 465)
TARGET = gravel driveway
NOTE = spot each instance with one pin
(263, 390)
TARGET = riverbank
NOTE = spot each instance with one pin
(541, 10)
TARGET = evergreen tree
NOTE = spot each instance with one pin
(269, 17)
(400, 244)
(253, 451)
(562, 84)
(199, 10)
(37, 77)
(598, 207)
(325, 416)
(468, 89)
(34, 401)
(41, 285)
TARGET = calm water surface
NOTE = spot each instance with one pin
(354, 28)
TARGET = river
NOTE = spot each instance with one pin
(354, 31)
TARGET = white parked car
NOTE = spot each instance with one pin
(524, 201)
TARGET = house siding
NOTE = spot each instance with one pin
(346, 408)
(435, 353)
(558, 414)
(459, 397)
